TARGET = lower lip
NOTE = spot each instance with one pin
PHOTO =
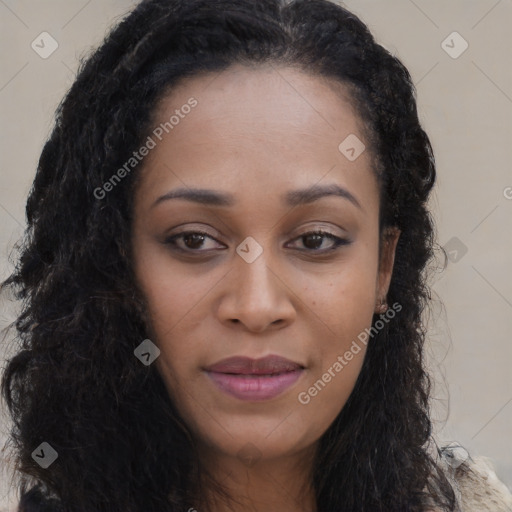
(254, 387)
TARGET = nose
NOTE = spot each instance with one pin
(256, 296)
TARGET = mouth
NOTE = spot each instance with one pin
(254, 379)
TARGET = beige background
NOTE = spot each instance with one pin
(465, 104)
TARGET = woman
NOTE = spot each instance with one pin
(224, 274)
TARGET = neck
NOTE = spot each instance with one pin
(281, 484)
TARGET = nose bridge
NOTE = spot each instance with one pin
(255, 297)
(254, 277)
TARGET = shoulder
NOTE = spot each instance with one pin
(474, 481)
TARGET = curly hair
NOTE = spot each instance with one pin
(75, 382)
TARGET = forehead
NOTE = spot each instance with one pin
(271, 122)
(265, 98)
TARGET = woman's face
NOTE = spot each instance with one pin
(230, 267)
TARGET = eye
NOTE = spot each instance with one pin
(313, 241)
(195, 242)
(191, 241)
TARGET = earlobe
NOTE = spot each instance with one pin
(381, 306)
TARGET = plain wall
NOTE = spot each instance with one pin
(465, 105)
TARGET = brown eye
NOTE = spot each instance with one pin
(314, 241)
(192, 242)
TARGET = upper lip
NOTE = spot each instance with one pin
(246, 366)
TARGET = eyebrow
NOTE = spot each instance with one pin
(291, 198)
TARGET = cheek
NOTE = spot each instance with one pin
(344, 298)
(171, 292)
(342, 312)
(173, 300)
(176, 311)
(323, 397)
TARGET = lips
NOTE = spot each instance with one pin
(269, 365)
(254, 379)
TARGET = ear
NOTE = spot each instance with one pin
(388, 244)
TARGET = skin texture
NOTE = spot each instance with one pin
(258, 133)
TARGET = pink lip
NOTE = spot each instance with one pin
(254, 379)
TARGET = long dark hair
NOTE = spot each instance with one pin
(75, 382)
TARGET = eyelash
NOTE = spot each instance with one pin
(338, 242)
